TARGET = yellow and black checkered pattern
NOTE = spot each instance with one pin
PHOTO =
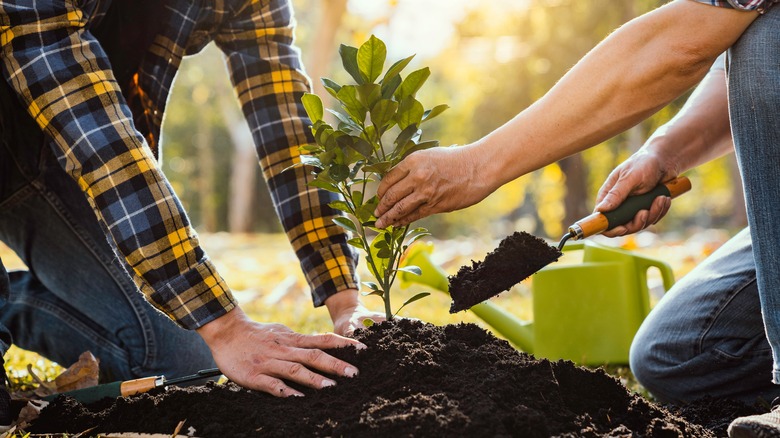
(105, 133)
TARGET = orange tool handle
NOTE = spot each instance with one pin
(598, 222)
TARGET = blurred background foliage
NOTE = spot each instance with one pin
(489, 61)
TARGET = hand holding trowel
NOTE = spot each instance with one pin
(131, 387)
(521, 254)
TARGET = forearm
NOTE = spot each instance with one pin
(700, 131)
(634, 72)
(259, 45)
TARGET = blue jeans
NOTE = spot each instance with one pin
(705, 336)
(76, 296)
(717, 332)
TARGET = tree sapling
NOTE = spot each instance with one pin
(379, 123)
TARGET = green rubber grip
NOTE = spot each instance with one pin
(632, 205)
(93, 393)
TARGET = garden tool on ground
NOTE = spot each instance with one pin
(131, 387)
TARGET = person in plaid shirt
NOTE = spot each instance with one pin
(84, 203)
(716, 332)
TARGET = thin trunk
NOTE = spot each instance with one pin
(243, 168)
(207, 177)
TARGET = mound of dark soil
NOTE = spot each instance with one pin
(415, 380)
(517, 257)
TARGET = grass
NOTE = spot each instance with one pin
(268, 283)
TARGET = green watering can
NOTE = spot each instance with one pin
(585, 312)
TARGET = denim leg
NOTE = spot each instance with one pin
(76, 295)
(705, 336)
(754, 105)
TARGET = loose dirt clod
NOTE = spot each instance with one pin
(415, 380)
(516, 258)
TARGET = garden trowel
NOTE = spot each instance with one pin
(521, 254)
(131, 387)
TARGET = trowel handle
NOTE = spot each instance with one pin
(112, 390)
(598, 222)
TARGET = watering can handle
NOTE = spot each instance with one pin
(643, 264)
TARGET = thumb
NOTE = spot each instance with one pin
(611, 201)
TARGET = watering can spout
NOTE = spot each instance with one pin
(518, 332)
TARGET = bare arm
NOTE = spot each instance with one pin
(699, 133)
(630, 75)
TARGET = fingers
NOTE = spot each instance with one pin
(391, 190)
(643, 219)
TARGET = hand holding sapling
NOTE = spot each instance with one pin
(378, 125)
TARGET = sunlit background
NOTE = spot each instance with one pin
(489, 60)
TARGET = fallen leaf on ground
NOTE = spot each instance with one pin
(82, 374)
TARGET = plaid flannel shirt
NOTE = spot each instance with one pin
(760, 6)
(105, 135)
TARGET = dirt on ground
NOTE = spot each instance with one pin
(415, 379)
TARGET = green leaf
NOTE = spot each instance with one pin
(369, 94)
(324, 185)
(340, 205)
(310, 149)
(371, 285)
(416, 237)
(381, 168)
(406, 134)
(357, 242)
(410, 113)
(419, 296)
(368, 322)
(332, 87)
(396, 68)
(357, 198)
(412, 83)
(349, 61)
(344, 119)
(339, 172)
(313, 106)
(411, 269)
(433, 112)
(411, 147)
(346, 223)
(371, 58)
(363, 147)
(384, 253)
(389, 87)
(365, 213)
(348, 96)
(382, 114)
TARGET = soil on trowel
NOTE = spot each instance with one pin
(516, 258)
(415, 379)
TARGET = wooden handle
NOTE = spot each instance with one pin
(678, 186)
(137, 386)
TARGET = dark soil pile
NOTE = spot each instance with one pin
(415, 380)
(517, 257)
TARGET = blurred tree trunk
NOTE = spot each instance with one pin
(576, 200)
(243, 167)
(206, 181)
(322, 48)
